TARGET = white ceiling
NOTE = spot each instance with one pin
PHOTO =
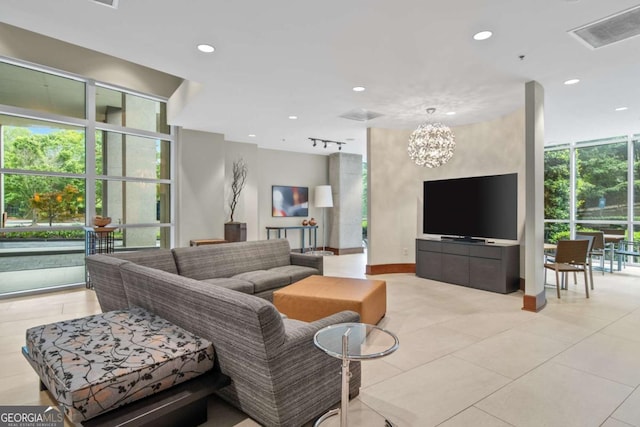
(278, 58)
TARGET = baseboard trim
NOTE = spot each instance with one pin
(390, 268)
(534, 303)
(346, 251)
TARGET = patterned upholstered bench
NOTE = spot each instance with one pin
(98, 363)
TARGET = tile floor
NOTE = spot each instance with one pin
(466, 357)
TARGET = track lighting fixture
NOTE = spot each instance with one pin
(327, 142)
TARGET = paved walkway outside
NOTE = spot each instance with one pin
(32, 265)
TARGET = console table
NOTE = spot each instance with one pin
(311, 229)
(493, 267)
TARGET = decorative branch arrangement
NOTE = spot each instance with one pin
(239, 179)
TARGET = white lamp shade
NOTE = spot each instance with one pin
(323, 198)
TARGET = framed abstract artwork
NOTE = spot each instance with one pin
(289, 201)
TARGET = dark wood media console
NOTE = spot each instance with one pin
(492, 267)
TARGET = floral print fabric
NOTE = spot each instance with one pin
(97, 363)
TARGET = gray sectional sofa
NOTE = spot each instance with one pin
(221, 293)
(256, 268)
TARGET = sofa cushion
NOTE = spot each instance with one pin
(264, 280)
(98, 363)
(230, 259)
(296, 272)
(233, 284)
(162, 259)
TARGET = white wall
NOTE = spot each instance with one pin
(395, 182)
(200, 179)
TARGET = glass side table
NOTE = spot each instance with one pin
(353, 341)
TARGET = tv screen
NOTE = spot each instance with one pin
(481, 206)
(289, 201)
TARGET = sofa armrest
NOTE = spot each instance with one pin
(305, 333)
(307, 374)
(313, 261)
(105, 278)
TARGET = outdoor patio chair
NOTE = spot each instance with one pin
(571, 256)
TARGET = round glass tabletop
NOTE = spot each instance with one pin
(364, 341)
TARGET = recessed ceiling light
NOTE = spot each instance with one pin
(252, 135)
(622, 108)
(572, 81)
(482, 35)
(451, 113)
(206, 48)
(358, 89)
(293, 117)
(350, 139)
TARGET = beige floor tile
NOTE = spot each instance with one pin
(612, 422)
(555, 395)
(403, 322)
(427, 344)
(377, 370)
(591, 323)
(629, 411)
(431, 393)
(433, 319)
(602, 304)
(484, 325)
(609, 357)
(626, 328)
(474, 417)
(359, 415)
(511, 353)
(545, 326)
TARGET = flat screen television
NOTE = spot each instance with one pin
(289, 201)
(476, 207)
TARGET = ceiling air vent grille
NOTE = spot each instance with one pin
(612, 29)
(360, 115)
(110, 3)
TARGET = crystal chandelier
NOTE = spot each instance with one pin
(432, 144)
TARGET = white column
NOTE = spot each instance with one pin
(534, 298)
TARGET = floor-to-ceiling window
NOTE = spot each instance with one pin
(593, 185)
(71, 149)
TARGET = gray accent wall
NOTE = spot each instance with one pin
(395, 182)
(294, 169)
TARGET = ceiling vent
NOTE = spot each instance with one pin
(360, 115)
(110, 3)
(611, 29)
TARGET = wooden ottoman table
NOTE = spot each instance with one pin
(316, 297)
